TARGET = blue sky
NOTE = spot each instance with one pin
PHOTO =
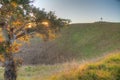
(83, 11)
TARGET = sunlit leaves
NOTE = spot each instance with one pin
(1, 39)
(2, 58)
(15, 47)
(25, 38)
(1, 42)
(17, 23)
(14, 4)
(46, 24)
(1, 36)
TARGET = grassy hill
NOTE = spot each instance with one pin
(76, 42)
(87, 40)
(106, 69)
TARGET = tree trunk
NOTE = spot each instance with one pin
(10, 69)
(10, 66)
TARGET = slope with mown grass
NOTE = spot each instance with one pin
(106, 69)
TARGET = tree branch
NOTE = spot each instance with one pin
(20, 29)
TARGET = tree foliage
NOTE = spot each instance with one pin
(16, 17)
(19, 20)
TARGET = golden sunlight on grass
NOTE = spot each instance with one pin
(106, 69)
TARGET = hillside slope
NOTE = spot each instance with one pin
(89, 40)
(76, 42)
(106, 69)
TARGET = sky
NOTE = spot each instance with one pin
(83, 11)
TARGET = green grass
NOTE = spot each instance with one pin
(34, 72)
(90, 40)
(106, 69)
(39, 72)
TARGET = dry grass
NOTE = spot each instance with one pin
(106, 69)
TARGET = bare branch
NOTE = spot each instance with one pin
(21, 35)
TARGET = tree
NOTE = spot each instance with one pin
(18, 22)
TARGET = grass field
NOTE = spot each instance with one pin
(105, 68)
